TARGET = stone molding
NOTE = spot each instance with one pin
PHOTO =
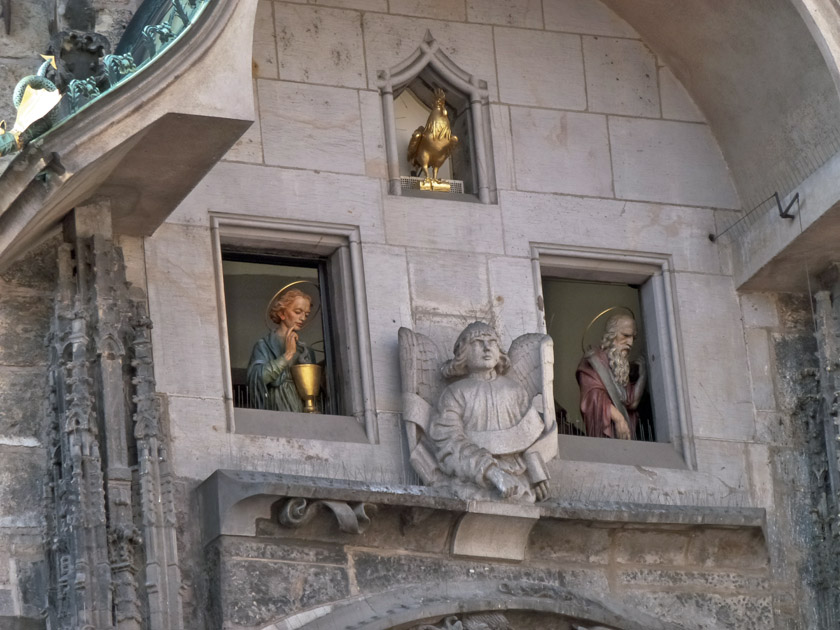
(232, 501)
(430, 55)
(399, 606)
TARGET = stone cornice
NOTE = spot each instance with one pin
(232, 501)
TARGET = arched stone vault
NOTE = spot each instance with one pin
(407, 604)
(757, 73)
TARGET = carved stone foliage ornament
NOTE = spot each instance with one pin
(482, 423)
(352, 517)
(110, 507)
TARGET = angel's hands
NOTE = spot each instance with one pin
(507, 485)
(541, 490)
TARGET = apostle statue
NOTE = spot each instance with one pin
(270, 382)
(482, 424)
(611, 387)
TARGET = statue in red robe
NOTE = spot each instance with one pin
(609, 395)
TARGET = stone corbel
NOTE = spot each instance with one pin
(352, 517)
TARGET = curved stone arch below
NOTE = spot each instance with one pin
(400, 607)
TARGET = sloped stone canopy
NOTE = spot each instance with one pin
(143, 146)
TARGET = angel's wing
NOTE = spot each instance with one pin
(420, 366)
(421, 386)
(532, 364)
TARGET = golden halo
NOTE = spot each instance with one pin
(314, 298)
(599, 316)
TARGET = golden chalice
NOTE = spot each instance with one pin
(308, 383)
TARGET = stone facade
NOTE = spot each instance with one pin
(597, 151)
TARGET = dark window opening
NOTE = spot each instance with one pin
(251, 280)
(576, 313)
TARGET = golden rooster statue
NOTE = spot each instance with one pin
(431, 145)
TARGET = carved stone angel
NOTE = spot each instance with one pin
(483, 423)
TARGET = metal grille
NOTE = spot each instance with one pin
(413, 183)
(645, 429)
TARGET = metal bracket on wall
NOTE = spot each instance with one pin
(740, 225)
(785, 214)
(6, 14)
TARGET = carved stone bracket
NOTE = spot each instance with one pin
(352, 517)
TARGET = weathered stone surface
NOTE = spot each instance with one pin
(651, 547)
(255, 592)
(568, 541)
(37, 270)
(443, 225)
(261, 549)
(620, 77)
(725, 461)
(722, 548)
(386, 270)
(453, 10)
(523, 83)
(561, 152)
(265, 42)
(761, 369)
(249, 147)
(676, 102)
(24, 318)
(759, 310)
(671, 162)
(22, 474)
(719, 406)
(513, 315)
(502, 146)
(521, 13)
(29, 36)
(706, 611)
(293, 194)
(180, 275)
(389, 40)
(308, 126)
(704, 581)
(376, 164)
(461, 285)
(680, 232)
(375, 572)
(320, 45)
(21, 401)
(585, 16)
(7, 603)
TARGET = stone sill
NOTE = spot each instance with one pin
(301, 426)
(621, 452)
(232, 501)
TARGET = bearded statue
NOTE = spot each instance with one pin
(611, 387)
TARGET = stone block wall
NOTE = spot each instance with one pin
(686, 576)
(596, 146)
(25, 310)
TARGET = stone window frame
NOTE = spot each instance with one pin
(655, 276)
(430, 56)
(341, 246)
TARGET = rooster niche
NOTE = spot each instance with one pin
(432, 144)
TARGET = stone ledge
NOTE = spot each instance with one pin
(231, 502)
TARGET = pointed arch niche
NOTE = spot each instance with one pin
(407, 90)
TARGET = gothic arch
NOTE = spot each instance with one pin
(416, 603)
(458, 83)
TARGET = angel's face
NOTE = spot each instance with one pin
(483, 353)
